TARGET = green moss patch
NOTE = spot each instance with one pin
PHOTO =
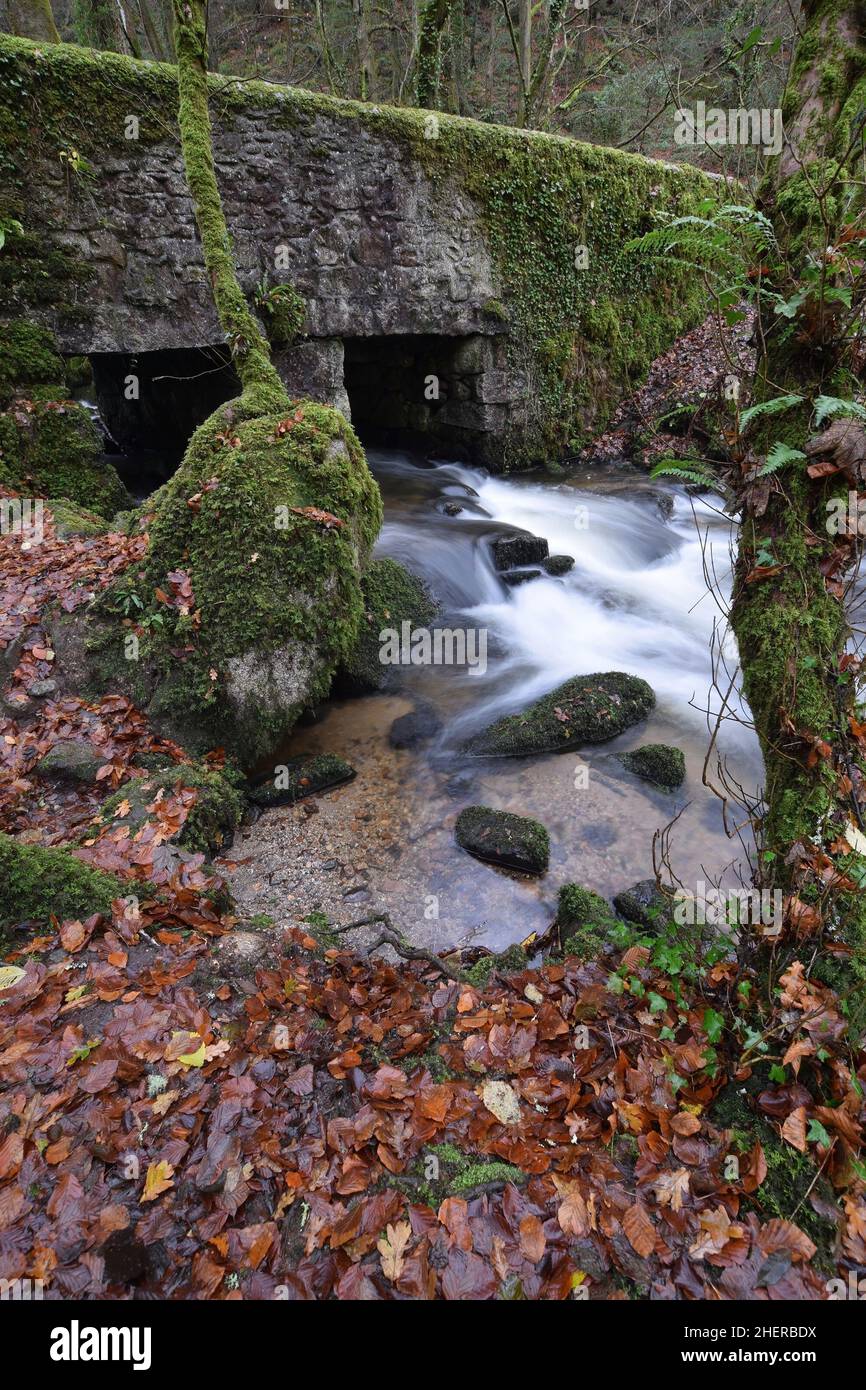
(584, 920)
(40, 883)
(301, 777)
(585, 709)
(391, 596)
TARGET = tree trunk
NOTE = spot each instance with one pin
(33, 19)
(788, 607)
(434, 18)
(250, 350)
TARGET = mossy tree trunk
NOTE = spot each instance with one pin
(250, 350)
(788, 611)
(428, 59)
(33, 19)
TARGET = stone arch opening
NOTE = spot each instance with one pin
(406, 387)
(150, 403)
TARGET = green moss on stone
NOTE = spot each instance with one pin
(301, 777)
(28, 357)
(211, 822)
(658, 763)
(585, 709)
(584, 920)
(276, 588)
(39, 883)
(500, 837)
(391, 596)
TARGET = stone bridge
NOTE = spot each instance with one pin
(461, 280)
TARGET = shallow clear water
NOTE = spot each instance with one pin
(636, 601)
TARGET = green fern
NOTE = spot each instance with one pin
(773, 407)
(670, 468)
(778, 456)
(831, 407)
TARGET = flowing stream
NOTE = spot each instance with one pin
(636, 601)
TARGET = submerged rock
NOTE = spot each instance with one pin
(301, 777)
(500, 837)
(585, 709)
(645, 904)
(524, 549)
(658, 763)
(514, 577)
(418, 726)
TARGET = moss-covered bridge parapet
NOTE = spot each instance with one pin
(391, 223)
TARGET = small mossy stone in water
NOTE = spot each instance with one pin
(301, 777)
(501, 837)
(658, 763)
(645, 904)
(71, 760)
(510, 551)
(558, 564)
(585, 709)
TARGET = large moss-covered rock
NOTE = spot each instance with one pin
(645, 904)
(585, 709)
(250, 592)
(500, 837)
(49, 446)
(40, 883)
(392, 596)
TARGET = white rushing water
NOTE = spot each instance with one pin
(637, 599)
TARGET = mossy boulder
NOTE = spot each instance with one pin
(583, 919)
(250, 593)
(658, 763)
(500, 837)
(585, 709)
(301, 777)
(212, 820)
(40, 883)
(391, 597)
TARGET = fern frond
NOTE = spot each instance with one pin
(773, 407)
(671, 468)
(778, 456)
(831, 407)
